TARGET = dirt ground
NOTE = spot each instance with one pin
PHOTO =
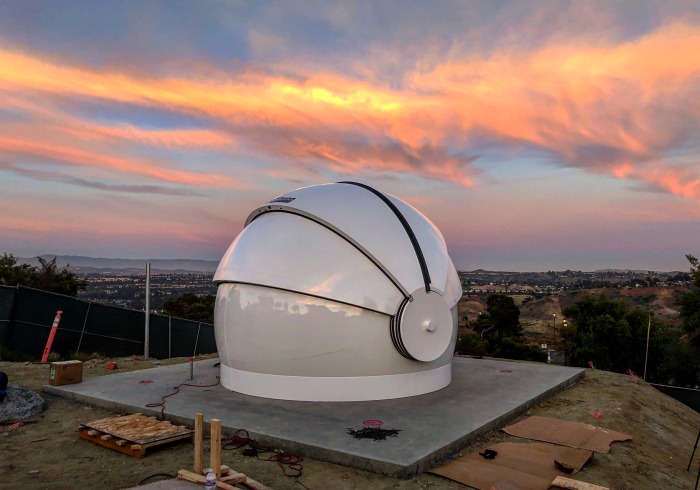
(46, 453)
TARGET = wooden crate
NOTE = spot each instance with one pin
(133, 434)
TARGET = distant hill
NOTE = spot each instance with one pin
(81, 264)
(536, 314)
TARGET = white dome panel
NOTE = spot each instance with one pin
(291, 252)
(362, 217)
(431, 242)
(281, 332)
(453, 289)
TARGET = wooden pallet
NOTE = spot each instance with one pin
(133, 434)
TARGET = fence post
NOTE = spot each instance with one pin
(196, 341)
(83, 331)
(170, 337)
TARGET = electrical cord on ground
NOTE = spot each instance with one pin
(289, 463)
(286, 461)
(154, 475)
(177, 390)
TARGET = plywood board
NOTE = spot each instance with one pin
(138, 429)
(565, 433)
(132, 434)
(524, 466)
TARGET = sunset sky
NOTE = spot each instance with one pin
(542, 135)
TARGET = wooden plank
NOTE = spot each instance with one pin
(134, 451)
(164, 441)
(198, 442)
(93, 432)
(191, 476)
(215, 441)
(570, 484)
(106, 437)
(224, 486)
(234, 478)
(195, 478)
(225, 470)
(120, 442)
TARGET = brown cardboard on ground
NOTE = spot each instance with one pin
(517, 465)
(566, 433)
(65, 373)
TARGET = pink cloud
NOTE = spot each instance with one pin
(614, 108)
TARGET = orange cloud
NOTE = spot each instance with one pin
(673, 180)
(76, 156)
(616, 109)
(169, 138)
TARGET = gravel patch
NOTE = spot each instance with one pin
(20, 403)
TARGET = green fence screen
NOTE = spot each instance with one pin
(26, 316)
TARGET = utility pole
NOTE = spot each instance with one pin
(646, 356)
(148, 312)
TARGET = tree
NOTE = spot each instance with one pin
(12, 274)
(607, 332)
(503, 314)
(190, 306)
(47, 277)
(690, 304)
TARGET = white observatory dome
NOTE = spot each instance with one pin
(336, 292)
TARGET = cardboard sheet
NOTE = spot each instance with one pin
(571, 434)
(523, 466)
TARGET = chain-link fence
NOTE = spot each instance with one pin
(687, 396)
(7, 300)
(26, 316)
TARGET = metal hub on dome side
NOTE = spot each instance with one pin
(422, 328)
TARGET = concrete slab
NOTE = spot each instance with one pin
(484, 395)
(171, 484)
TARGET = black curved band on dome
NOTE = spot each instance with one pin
(406, 226)
(395, 331)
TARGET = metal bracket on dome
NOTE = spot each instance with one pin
(409, 231)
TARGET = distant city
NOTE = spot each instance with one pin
(482, 281)
(121, 282)
(127, 289)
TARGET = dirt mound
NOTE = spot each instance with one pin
(663, 433)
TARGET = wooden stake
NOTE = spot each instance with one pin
(234, 479)
(198, 442)
(215, 442)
